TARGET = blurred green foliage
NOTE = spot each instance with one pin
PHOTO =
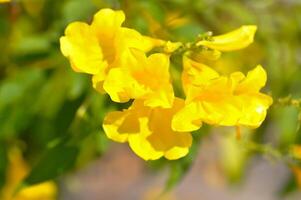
(55, 116)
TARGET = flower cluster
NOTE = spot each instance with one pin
(157, 123)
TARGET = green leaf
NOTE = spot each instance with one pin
(3, 164)
(289, 187)
(77, 10)
(55, 162)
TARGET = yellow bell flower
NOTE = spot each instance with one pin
(220, 100)
(142, 77)
(295, 150)
(148, 131)
(96, 48)
(234, 40)
(17, 170)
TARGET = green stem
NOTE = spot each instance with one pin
(289, 101)
(270, 151)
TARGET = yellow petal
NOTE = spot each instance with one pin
(111, 125)
(254, 81)
(254, 109)
(152, 136)
(143, 148)
(196, 73)
(187, 119)
(155, 41)
(162, 97)
(157, 78)
(80, 45)
(141, 78)
(45, 191)
(234, 40)
(162, 140)
(220, 100)
(106, 23)
(223, 113)
(97, 82)
(177, 152)
(121, 86)
(119, 125)
(133, 39)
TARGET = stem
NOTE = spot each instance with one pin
(268, 150)
(289, 101)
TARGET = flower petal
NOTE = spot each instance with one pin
(234, 40)
(196, 74)
(80, 45)
(151, 136)
(111, 124)
(121, 87)
(141, 78)
(106, 23)
(220, 100)
(254, 109)
(143, 148)
(187, 119)
(254, 81)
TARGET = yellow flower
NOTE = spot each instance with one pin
(142, 78)
(234, 40)
(96, 48)
(220, 100)
(148, 131)
(17, 170)
(107, 51)
(4, 1)
(295, 150)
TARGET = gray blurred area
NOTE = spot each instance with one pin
(120, 175)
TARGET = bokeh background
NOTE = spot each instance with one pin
(50, 117)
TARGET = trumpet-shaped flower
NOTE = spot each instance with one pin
(96, 48)
(148, 131)
(142, 77)
(219, 100)
(234, 40)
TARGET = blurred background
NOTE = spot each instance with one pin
(50, 117)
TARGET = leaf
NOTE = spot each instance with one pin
(289, 187)
(77, 10)
(286, 119)
(67, 113)
(55, 162)
(3, 164)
